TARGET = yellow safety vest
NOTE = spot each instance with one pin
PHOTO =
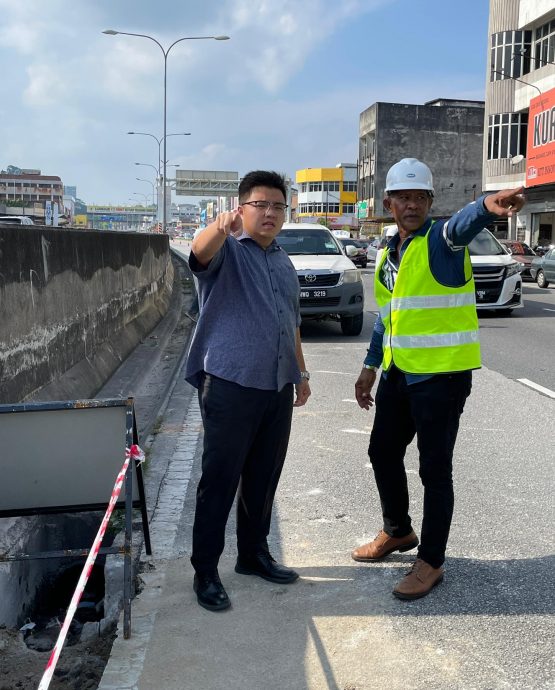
(430, 328)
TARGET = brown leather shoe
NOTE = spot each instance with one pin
(383, 545)
(421, 579)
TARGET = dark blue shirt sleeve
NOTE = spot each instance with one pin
(463, 227)
(375, 351)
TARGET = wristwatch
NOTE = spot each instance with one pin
(305, 375)
(370, 367)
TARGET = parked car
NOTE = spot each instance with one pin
(542, 249)
(522, 253)
(15, 220)
(359, 257)
(496, 275)
(370, 249)
(388, 232)
(330, 284)
(542, 269)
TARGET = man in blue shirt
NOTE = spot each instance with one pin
(426, 339)
(246, 360)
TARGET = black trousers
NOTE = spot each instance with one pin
(246, 434)
(430, 410)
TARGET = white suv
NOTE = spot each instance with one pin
(15, 220)
(330, 284)
(496, 275)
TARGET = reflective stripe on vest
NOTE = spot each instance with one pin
(429, 327)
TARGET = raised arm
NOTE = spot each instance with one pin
(206, 245)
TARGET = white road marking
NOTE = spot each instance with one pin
(341, 373)
(355, 431)
(537, 387)
(546, 309)
(348, 400)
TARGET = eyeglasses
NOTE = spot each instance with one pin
(266, 205)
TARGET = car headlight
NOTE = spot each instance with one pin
(514, 268)
(351, 276)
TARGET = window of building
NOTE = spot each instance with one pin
(348, 209)
(331, 208)
(350, 186)
(507, 134)
(331, 186)
(314, 186)
(510, 54)
(303, 187)
(544, 45)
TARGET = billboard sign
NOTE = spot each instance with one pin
(362, 209)
(540, 151)
(48, 213)
(206, 182)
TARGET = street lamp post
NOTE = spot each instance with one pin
(140, 179)
(165, 53)
(143, 195)
(159, 142)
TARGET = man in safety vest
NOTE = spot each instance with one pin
(426, 341)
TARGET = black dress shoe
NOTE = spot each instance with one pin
(210, 592)
(263, 565)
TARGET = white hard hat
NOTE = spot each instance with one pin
(390, 230)
(409, 173)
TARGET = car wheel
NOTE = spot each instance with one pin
(352, 325)
(503, 312)
(540, 279)
(364, 264)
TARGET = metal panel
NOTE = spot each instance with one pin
(57, 456)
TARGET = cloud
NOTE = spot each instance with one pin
(249, 102)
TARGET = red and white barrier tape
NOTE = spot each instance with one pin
(137, 454)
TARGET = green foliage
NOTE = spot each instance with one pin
(14, 203)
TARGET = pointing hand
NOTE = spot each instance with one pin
(229, 223)
(506, 202)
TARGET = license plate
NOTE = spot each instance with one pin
(313, 293)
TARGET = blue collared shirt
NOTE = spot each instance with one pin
(447, 239)
(249, 313)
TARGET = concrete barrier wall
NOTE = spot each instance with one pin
(73, 304)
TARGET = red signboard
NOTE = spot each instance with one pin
(540, 151)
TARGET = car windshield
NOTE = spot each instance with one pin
(485, 244)
(10, 221)
(352, 243)
(312, 242)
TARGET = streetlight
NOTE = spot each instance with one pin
(159, 142)
(143, 195)
(150, 166)
(165, 53)
(140, 179)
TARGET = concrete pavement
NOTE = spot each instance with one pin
(489, 625)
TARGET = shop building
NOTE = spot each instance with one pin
(519, 146)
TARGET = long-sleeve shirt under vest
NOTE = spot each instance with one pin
(447, 240)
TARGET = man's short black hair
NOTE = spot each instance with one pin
(261, 178)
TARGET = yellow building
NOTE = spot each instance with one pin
(328, 195)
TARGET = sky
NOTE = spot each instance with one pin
(284, 93)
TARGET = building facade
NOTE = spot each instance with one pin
(520, 90)
(445, 134)
(328, 195)
(26, 192)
